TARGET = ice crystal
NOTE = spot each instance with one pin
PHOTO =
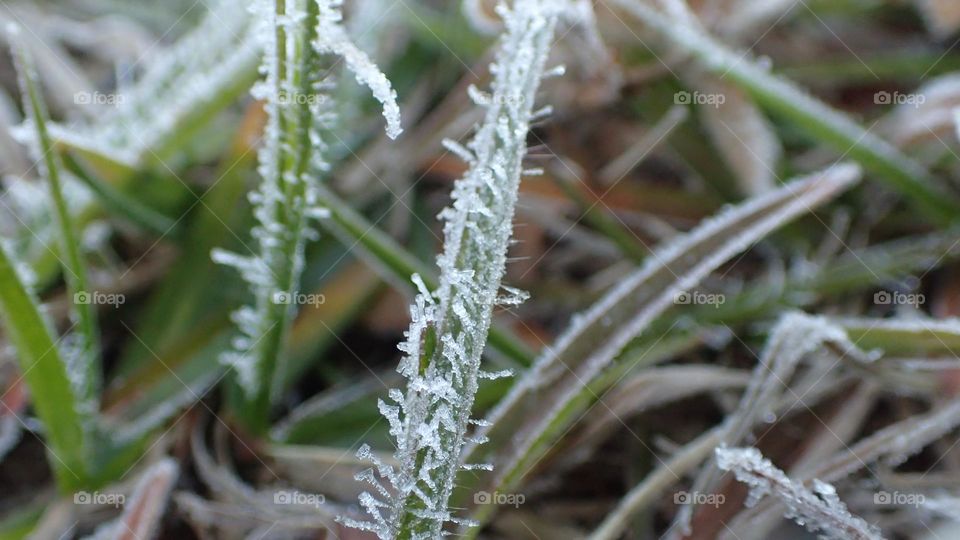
(294, 36)
(177, 86)
(795, 336)
(818, 508)
(449, 326)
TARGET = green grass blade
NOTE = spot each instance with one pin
(74, 269)
(123, 205)
(819, 120)
(45, 372)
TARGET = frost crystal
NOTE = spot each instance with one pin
(795, 336)
(294, 35)
(449, 326)
(333, 39)
(817, 508)
(153, 112)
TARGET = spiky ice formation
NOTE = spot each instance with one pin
(449, 326)
(295, 34)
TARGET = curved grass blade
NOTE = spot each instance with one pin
(551, 395)
(821, 122)
(817, 507)
(891, 445)
(795, 336)
(143, 514)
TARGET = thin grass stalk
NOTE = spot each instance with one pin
(84, 353)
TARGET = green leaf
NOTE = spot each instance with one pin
(46, 375)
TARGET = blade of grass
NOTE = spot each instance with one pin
(115, 200)
(87, 361)
(51, 392)
(819, 120)
(396, 264)
(449, 326)
(557, 382)
(289, 61)
(905, 337)
(296, 38)
(177, 95)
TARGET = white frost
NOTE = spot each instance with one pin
(449, 326)
(819, 509)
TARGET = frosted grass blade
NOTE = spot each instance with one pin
(549, 397)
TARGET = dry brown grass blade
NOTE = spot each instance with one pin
(142, 515)
(646, 390)
(796, 336)
(892, 444)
